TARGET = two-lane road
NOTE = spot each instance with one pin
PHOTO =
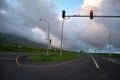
(109, 67)
(82, 68)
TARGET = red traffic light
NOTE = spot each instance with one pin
(91, 11)
(91, 14)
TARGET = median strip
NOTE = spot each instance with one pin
(25, 64)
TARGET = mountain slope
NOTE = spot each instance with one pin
(8, 38)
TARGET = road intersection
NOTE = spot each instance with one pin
(82, 68)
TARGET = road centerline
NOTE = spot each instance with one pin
(95, 62)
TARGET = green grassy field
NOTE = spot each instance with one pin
(54, 57)
(113, 55)
(8, 47)
(41, 52)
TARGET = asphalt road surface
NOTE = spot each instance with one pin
(86, 67)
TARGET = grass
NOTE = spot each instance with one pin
(8, 47)
(41, 52)
(113, 55)
(54, 57)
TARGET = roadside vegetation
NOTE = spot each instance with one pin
(54, 54)
(113, 55)
(8, 47)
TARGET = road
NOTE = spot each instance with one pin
(82, 68)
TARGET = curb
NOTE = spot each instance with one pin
(25, 64)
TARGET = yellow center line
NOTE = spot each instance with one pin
(17, 62)
(48, 65)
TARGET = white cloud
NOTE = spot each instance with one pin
(91, 4)
(2, 11)
(38, 34)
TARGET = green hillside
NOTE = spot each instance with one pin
(8, 38)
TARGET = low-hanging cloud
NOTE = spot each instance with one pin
(21, 18)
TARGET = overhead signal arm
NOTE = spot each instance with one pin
(91, 15)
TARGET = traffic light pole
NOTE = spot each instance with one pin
(61, 39)
(104, 16)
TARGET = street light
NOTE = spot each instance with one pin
(48, 34)
(110, 42)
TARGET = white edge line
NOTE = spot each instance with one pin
(96, 64)
(109, 59)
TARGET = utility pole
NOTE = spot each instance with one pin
(110, 42)
(61, 39)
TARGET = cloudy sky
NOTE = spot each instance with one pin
(21, 18)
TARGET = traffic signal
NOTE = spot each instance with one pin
(50, 41)
(91, 14)
(63, 14)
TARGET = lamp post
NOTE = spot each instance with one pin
(48, 42)
(110, 42)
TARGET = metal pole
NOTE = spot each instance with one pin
(61, 39)
(48, 37)
(48, 34)
(100, 50)
(104, 16)
(110, 42)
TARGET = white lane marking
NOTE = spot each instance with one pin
(17, 62)
(7, 58)
(96, 64)
(112, 60)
